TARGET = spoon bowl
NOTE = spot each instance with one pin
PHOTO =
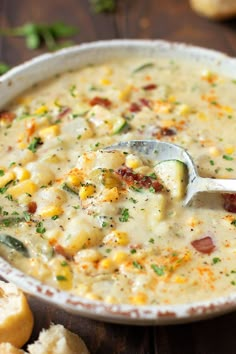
(157, 151)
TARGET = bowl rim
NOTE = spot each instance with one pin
(122, 313)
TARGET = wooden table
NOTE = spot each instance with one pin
(167, 19)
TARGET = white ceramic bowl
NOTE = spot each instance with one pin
(46, 66)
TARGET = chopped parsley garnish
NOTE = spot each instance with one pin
(153, 175)
(152, 190)
(124, 215)
(233, 222)
(2, 173)
(151, 240)
(76, 207)
(137, 265)
(26, 216)
(227, 157)
(64, 264)
(136, 189)
(3, 190)
(72, 90)
(212, 162)
(158, 270)
(133, 251)
(40, 228)
(61, 278)
(108, 250)
(133, 200)
(104, 224)
(216, 260)
(55, 217)
(229, 169)
(142, 67)
(35, 143)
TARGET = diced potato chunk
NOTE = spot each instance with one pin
(174, 176)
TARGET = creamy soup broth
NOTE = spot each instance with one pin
(96, 223)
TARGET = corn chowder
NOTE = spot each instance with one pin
(107, 225)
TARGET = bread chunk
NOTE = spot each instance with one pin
(215, 9)
(16, 318)
(58, 340)
(8, 348)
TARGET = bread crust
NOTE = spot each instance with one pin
(215, 9)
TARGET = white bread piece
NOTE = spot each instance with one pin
(58, 340)
(7, 348)
(216, 9)
(16, 318)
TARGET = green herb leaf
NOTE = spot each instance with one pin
(227, 157)
(142, 67)
(233, 222)
(158, 270)
(60, 29)
(124, 215)
(61, 278)
(26, 216)
(68, 189)
(216, 260)
(40, 228)
(35, 143)
(15, 244)
(33, 41)
(137, 265)
(99, 6)
(2, 173)
(4, 68)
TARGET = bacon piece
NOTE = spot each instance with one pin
(137, 179)
(105, 102)
(65, 111)
(60, 250)
(230, 202)
(144, 102)
(7, 117)
(204, 245)
(167, 132)
(134, 107)
(149, 87)
(32, 207)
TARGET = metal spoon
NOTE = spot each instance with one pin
(153, 150)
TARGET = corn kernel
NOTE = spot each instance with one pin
(22, 188)
(21, 173)
(75, 177)
(183, 109)
(62, 273)
(116, 238)
(49, 132)
(139, 299)
(87, 191)
(133, 161)
(41, 110)
(229, 150)
(124, 95)
(6, 178)
(106, 263)
(172, 98)
(105, 81)
(110, 195)
(180, 280)
(227, 109)
(119, 257)
(50, 211)
(214, 151)
(202, 116)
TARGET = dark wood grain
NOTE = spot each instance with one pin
(171, 20)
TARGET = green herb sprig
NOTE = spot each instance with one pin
(37, 35)
(99, 6)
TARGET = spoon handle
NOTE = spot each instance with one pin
(200, 184)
